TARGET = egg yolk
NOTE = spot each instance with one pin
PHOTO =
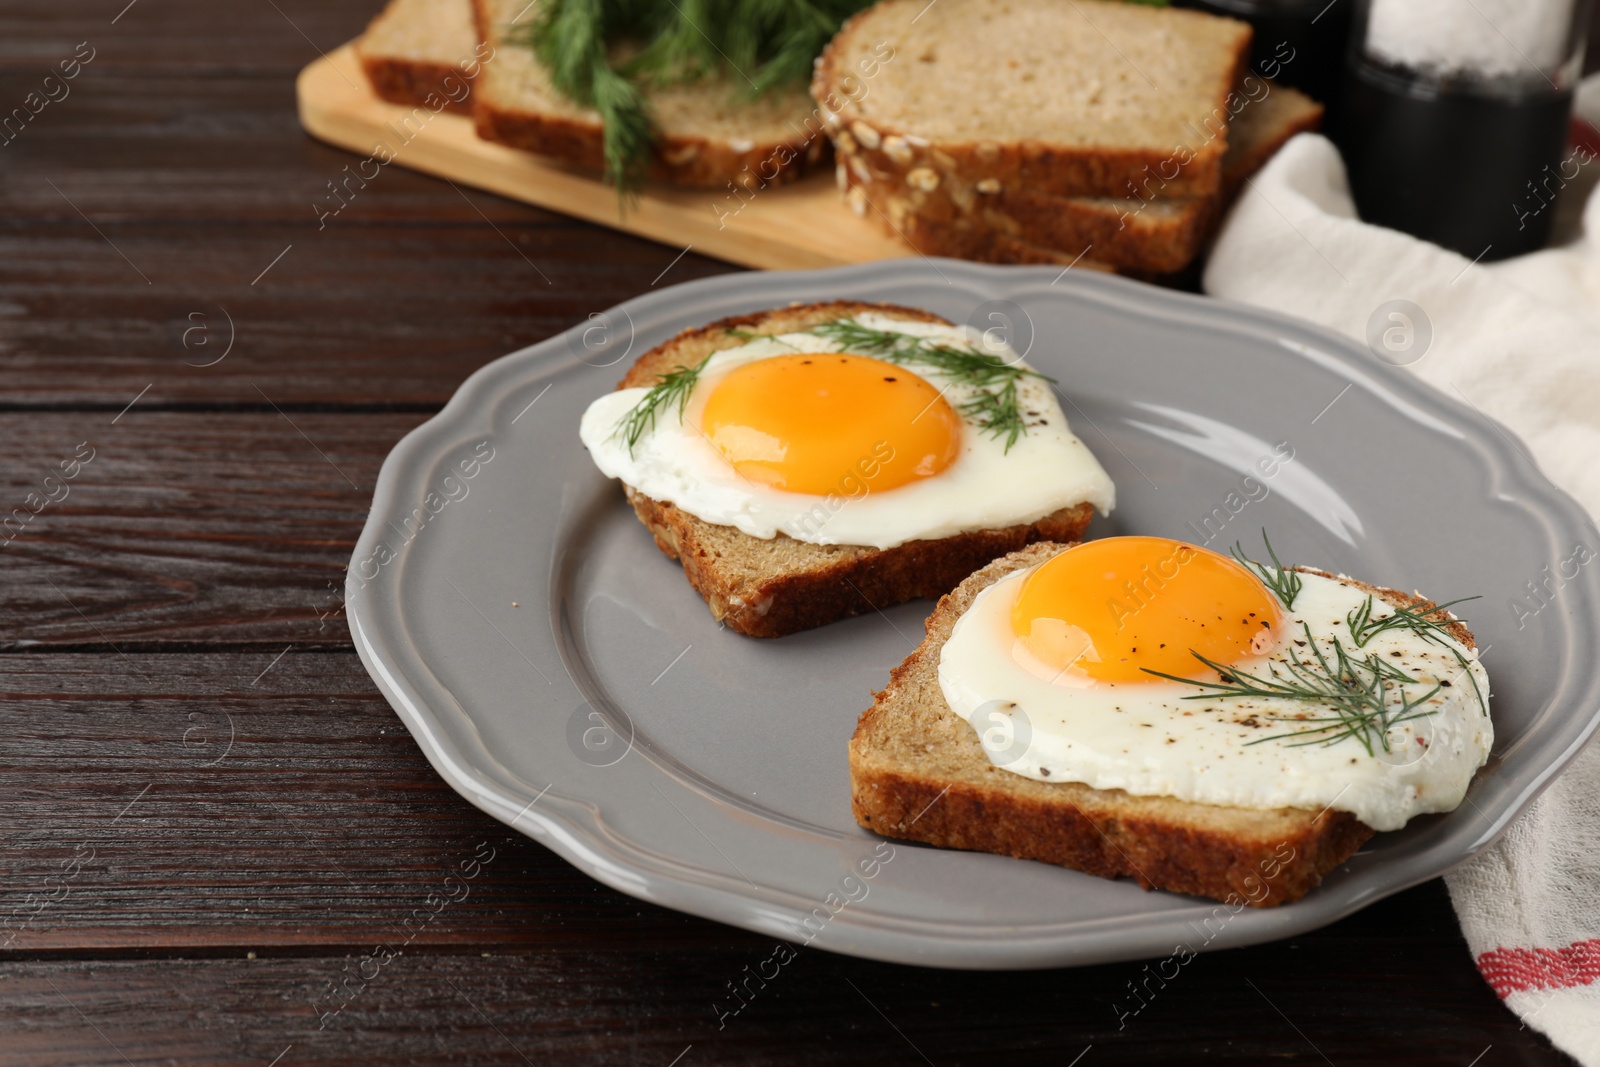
(830, 422)
(1114, 608)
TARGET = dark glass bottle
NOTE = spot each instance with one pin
(1467, 148)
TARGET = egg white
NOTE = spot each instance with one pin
(1146, 739)
(1047, 468)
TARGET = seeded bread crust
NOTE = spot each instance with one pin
(1216, 46)
(514, 105)
(1142, 244)
(773, 587)
(959, 240)
(1154, 237)
(918, 771)
(414, 51)
(962, 239)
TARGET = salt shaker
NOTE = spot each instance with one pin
(1455, 117)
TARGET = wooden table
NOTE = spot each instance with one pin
(211, 818)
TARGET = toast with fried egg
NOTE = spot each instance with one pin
(919, 771)
(773, 586)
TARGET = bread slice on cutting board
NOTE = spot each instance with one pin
(710, 135)
(421, 52)
(1082, 98)
(1012, 224)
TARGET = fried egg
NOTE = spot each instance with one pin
(1087, 668)
(791, 434)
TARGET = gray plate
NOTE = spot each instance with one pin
(609, 718)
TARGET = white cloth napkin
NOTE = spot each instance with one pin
(1519, 340)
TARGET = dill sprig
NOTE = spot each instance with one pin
(571, 39)
(1356, 692)
(628, 131)
(994, 407)
(779, 40)
(604, 53)
(1283, 581)
(996, 412)
(1364, 626)
(672, 390)
(1466, 668)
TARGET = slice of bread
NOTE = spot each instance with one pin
(709, 135)
(961, 238)
(1263, 126)
(1082, 98)
(1155, 236)
(918, 771)
(417, 49)
(772, 587)
(964, 239)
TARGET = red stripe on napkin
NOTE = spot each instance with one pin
(1517, 970)
(1584, 135)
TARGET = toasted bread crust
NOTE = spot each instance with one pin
(415, 81)
(986, 246)
(838, 581)
(400, 78)
(694, 162)
(1096, 835)
(965, 238)
(954, 237)
(1057, 169)
(1262, 858)
(1241, 163)
(1018, 226)
(770, 588)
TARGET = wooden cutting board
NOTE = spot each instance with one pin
(797, 226)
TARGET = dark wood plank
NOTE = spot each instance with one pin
(321, 831)
(615, 1002)
(158, 197)
(186, 527)
(241, 799)
(358, 315)
(187, 35)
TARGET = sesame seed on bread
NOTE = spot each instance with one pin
(770, 587)
(918, 771)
